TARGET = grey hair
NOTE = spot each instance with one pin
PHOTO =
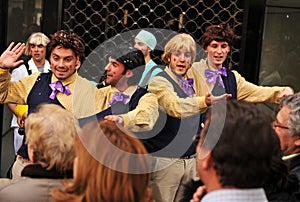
(293, 103)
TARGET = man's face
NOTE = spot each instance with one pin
(115, 72)
(280, 125)
(217, 53)
(180, 61)
(142, 47)
(38, 52)
(64, 62)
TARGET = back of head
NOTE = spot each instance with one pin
(103, 171)
(179, 41)
(147, 38)
(50, 133)
(221, 32)
(293, 103)
(243, 152)
(36, 38)
(68, 40)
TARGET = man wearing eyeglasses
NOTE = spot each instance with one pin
(287, 127)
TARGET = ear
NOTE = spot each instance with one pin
(207, 161)
(77, 64)
(31, 154)
(297, 142)
(129, 73)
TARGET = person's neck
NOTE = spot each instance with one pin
(39, 63)
(147, 59)
(122, 87)
(211, 181)
(213, 65)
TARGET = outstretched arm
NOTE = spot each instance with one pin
(9, 58)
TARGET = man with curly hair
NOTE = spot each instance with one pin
(62, 86)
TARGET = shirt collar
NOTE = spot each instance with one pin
(66, 81)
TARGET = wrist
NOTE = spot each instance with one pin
(2, 69)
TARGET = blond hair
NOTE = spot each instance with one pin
(50, 133)
(36, 38)
(179, 41)
(97, 182)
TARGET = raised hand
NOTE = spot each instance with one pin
(9, 58)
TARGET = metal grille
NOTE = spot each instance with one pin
(97, 21)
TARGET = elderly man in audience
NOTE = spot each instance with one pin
(287, 127)
(51, 132)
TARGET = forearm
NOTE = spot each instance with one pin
(144, 116)
(4, 84)
(172, 104)
(257, 94)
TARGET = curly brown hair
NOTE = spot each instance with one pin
(221, 32)
(66, 39)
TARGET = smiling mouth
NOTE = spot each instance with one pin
(62, 70)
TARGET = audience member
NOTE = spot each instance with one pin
(62, 86)
(35, 48)
(51, 152)
(231, 163)
(280, 185)
(287, 128)
(146, 42)
(106, 174)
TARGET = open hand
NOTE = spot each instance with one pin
(115, 118)
(287, 91)
(210, 99)
(9, 58)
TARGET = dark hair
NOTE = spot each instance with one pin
(221, 32)
(66, 39)
(132, 59)
(243, 152)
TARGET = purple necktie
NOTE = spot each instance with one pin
(57, 86)
(119, 97)
(213, 75)
(187, 85)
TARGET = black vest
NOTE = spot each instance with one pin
(230, 88)
(171, 137)
(117, 108)
(229, 83)
(39, 94)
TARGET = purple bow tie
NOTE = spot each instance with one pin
(187, 85)
(57, 86)
(213, 75)
(119, 97)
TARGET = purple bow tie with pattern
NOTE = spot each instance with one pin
(119, 97)
(213, 75)
(187, 85)
(57, 86)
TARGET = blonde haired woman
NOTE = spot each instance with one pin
(103, 171)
